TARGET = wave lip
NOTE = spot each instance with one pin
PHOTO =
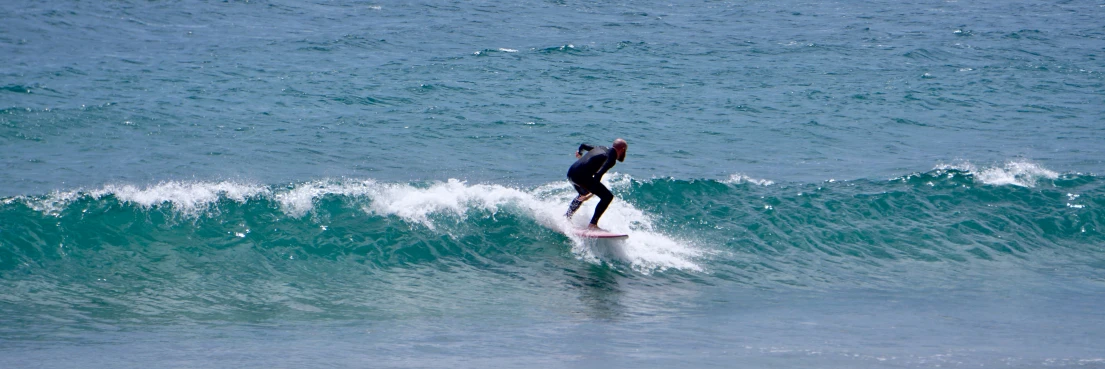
(298, 200)
(189, 198)
(1017, 173)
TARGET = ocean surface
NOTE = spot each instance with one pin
(365, 184)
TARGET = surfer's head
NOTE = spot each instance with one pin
(620, 146)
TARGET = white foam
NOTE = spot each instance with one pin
(189, 198)
(453, 197)
(300, 199)
(1023, 174)
(739, 178)
(646, 250)
(1016, 173)
(53, 203)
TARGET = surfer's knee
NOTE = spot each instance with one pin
(605, 201)
(605, 196)
(602, 192)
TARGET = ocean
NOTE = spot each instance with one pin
(301, 184)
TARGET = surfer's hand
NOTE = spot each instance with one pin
(578, 155)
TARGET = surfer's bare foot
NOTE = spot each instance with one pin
(594, 227)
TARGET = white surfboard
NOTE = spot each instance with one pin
(598, 233)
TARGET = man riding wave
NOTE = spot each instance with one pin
(586, 176)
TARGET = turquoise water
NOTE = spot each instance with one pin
(352, 184)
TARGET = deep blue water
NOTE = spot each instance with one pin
(380, 184)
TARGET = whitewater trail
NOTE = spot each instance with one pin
(646, 249)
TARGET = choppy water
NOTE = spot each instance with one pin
(826, 185)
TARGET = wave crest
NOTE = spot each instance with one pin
(1016, 173)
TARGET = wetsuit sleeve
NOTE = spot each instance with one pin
(584, 147)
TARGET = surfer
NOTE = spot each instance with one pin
(586, 175)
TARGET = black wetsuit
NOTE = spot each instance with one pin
(586, 174)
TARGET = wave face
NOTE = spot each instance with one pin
(240, 251)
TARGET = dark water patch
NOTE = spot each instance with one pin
(17, 89)
(372, 101)
(929, 55)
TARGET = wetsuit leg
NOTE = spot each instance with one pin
(576, 203)
(605, 198)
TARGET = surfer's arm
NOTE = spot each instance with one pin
(582, 148)
(607, 165)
